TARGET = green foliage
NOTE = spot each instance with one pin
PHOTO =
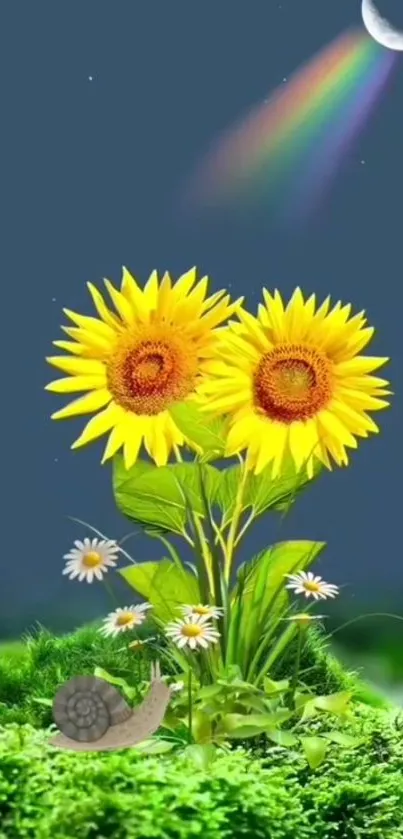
(51, 794)
(164, 584)
(44, 662)
(259, 601)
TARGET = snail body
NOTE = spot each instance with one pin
(93, 716)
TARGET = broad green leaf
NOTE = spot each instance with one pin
(164, 585)
(201, 726)
(204, 431)
(244, 725)
(201, 754)
(208, 691)
(158, 497)
(152, 498)
(335, 703)
(154, 746)
(260, 598)
(262, 492)
(347, 741)
(256, 702)
(115, 680)
(271, 687)
(282, 738)
(314, 749)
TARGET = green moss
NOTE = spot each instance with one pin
(268, 794)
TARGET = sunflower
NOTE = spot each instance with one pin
(294, 384)
(137, 361)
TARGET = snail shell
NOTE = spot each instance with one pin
(85, 707)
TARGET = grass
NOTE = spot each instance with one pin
(252, 793)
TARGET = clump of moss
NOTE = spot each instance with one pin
(37, 668)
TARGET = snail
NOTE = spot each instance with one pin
(93, 716)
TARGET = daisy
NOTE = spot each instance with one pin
(303, 619)
(124, 618)
(311, 586)
(91, 559)
(192, 631)
(202, 611)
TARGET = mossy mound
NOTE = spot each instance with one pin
(50, 794)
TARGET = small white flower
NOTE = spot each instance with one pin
(304, 619)
(124, 618)
(311, 586)
(202, 611)
(91, 559)
(192, 631)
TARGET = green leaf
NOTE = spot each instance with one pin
(206, 432)
(157, 497)
(282, 738)
(115, 680)
(201, 755)
(208, 691)
(260, 597)
(314, 749)
(41, 701)
(151, 497)
(154, 747)
(334, 703)
(262, 492)
(347, 741)
(249, 725)
(201, 726)
(271, 687)
(164, 585)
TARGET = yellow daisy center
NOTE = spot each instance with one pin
(150, 369)
(201, 610)
(292, 382)
(92, 559)
(191, 630)
(124, 619)
(310, 586)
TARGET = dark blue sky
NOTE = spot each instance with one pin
(90, 170)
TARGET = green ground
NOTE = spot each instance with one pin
(254, 792)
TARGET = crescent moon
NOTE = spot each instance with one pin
(379, 28)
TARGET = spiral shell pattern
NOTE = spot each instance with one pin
(86, 706)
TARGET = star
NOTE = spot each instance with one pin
(90, 78)
(362, 162)
(53, 299)
(285, 79)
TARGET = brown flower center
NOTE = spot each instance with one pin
(151, 369)
(292, 382)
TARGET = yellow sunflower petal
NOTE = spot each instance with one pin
(92, 401)
(120, 302)
(77, 366)
(104, 313)
(99, 424)
(135, 296)
(88, 323)
(74, 384)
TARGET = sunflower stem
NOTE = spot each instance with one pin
(232, 533)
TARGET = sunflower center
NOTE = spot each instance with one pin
(151, 369)
(191, 630)
(292, 382)
(123, 620)
(92, 559)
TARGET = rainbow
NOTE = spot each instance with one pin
(288, 150)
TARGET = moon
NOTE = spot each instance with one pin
(379, 28)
